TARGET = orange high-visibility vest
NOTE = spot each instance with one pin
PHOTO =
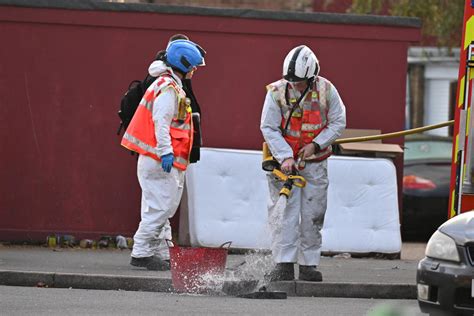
(140, 133)
(308, 119)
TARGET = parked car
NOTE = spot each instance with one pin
(445, 277)
(426, 177)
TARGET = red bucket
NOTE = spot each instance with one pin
(190, 264)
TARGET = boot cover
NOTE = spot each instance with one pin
(282, 272)
(151, 263)
(309, 273)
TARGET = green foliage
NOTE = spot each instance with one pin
(442, 19)
(367, 6)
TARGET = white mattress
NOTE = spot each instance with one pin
(227, 201)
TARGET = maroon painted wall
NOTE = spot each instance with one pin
(63, 73)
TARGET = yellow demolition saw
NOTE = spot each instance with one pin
(271, 165)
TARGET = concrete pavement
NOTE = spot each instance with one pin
(109, 269)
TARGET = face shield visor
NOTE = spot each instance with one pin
(203, 54)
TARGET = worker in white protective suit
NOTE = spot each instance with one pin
(160, 246)
(161, 131)
(302, 116)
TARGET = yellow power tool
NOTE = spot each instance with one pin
(271, 165)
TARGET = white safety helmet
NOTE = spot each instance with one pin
(300, 64)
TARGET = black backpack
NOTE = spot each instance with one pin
(131, 99)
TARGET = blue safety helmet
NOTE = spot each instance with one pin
(184, 55)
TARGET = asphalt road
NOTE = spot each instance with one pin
(49, 301)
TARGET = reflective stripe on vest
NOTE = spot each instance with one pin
(308, 119)
(145, 147)
(293, 133)
(151, 150)
(179, 125)
(140, 134)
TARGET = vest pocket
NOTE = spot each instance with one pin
(178, 133)
(181, 142)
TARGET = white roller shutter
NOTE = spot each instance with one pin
(437, 81)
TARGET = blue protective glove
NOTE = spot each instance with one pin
(167, 162)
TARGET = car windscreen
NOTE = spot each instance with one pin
(432, 150)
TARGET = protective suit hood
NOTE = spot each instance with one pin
(158, 67)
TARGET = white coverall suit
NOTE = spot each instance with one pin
(161, 191)
(297, 238)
